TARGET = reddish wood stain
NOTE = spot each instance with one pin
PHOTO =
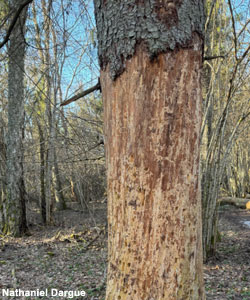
(152, 126)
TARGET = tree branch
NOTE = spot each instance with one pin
(213, 57)
(13, 22)
(82, 94)
(210, 14)
(234, 30)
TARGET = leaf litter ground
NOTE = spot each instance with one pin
(72, 255)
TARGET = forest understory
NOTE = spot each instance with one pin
(72, 255)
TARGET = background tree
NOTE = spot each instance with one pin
(67, 139)
(226, 107)
(14, 204)
(68, 149)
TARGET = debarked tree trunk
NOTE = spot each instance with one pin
(152, 117)
(152, 122)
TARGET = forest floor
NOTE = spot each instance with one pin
(227, 275)
(72, 255)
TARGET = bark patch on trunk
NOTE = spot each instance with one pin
(159, 25)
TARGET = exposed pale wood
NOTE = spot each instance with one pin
(152, 128)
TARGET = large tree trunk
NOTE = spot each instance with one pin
(15, 213)
(152, 116)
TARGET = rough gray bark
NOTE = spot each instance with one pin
(159, 25)
(14, 206)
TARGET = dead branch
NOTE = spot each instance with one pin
(234, 30)
(82, 94)
(214, 57)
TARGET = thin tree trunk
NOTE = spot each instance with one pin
(47, 136)
(58, 187)
(46, 8)
(42, 173)
(56, 93)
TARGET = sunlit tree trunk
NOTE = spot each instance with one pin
(150, 53)
(15, 213)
